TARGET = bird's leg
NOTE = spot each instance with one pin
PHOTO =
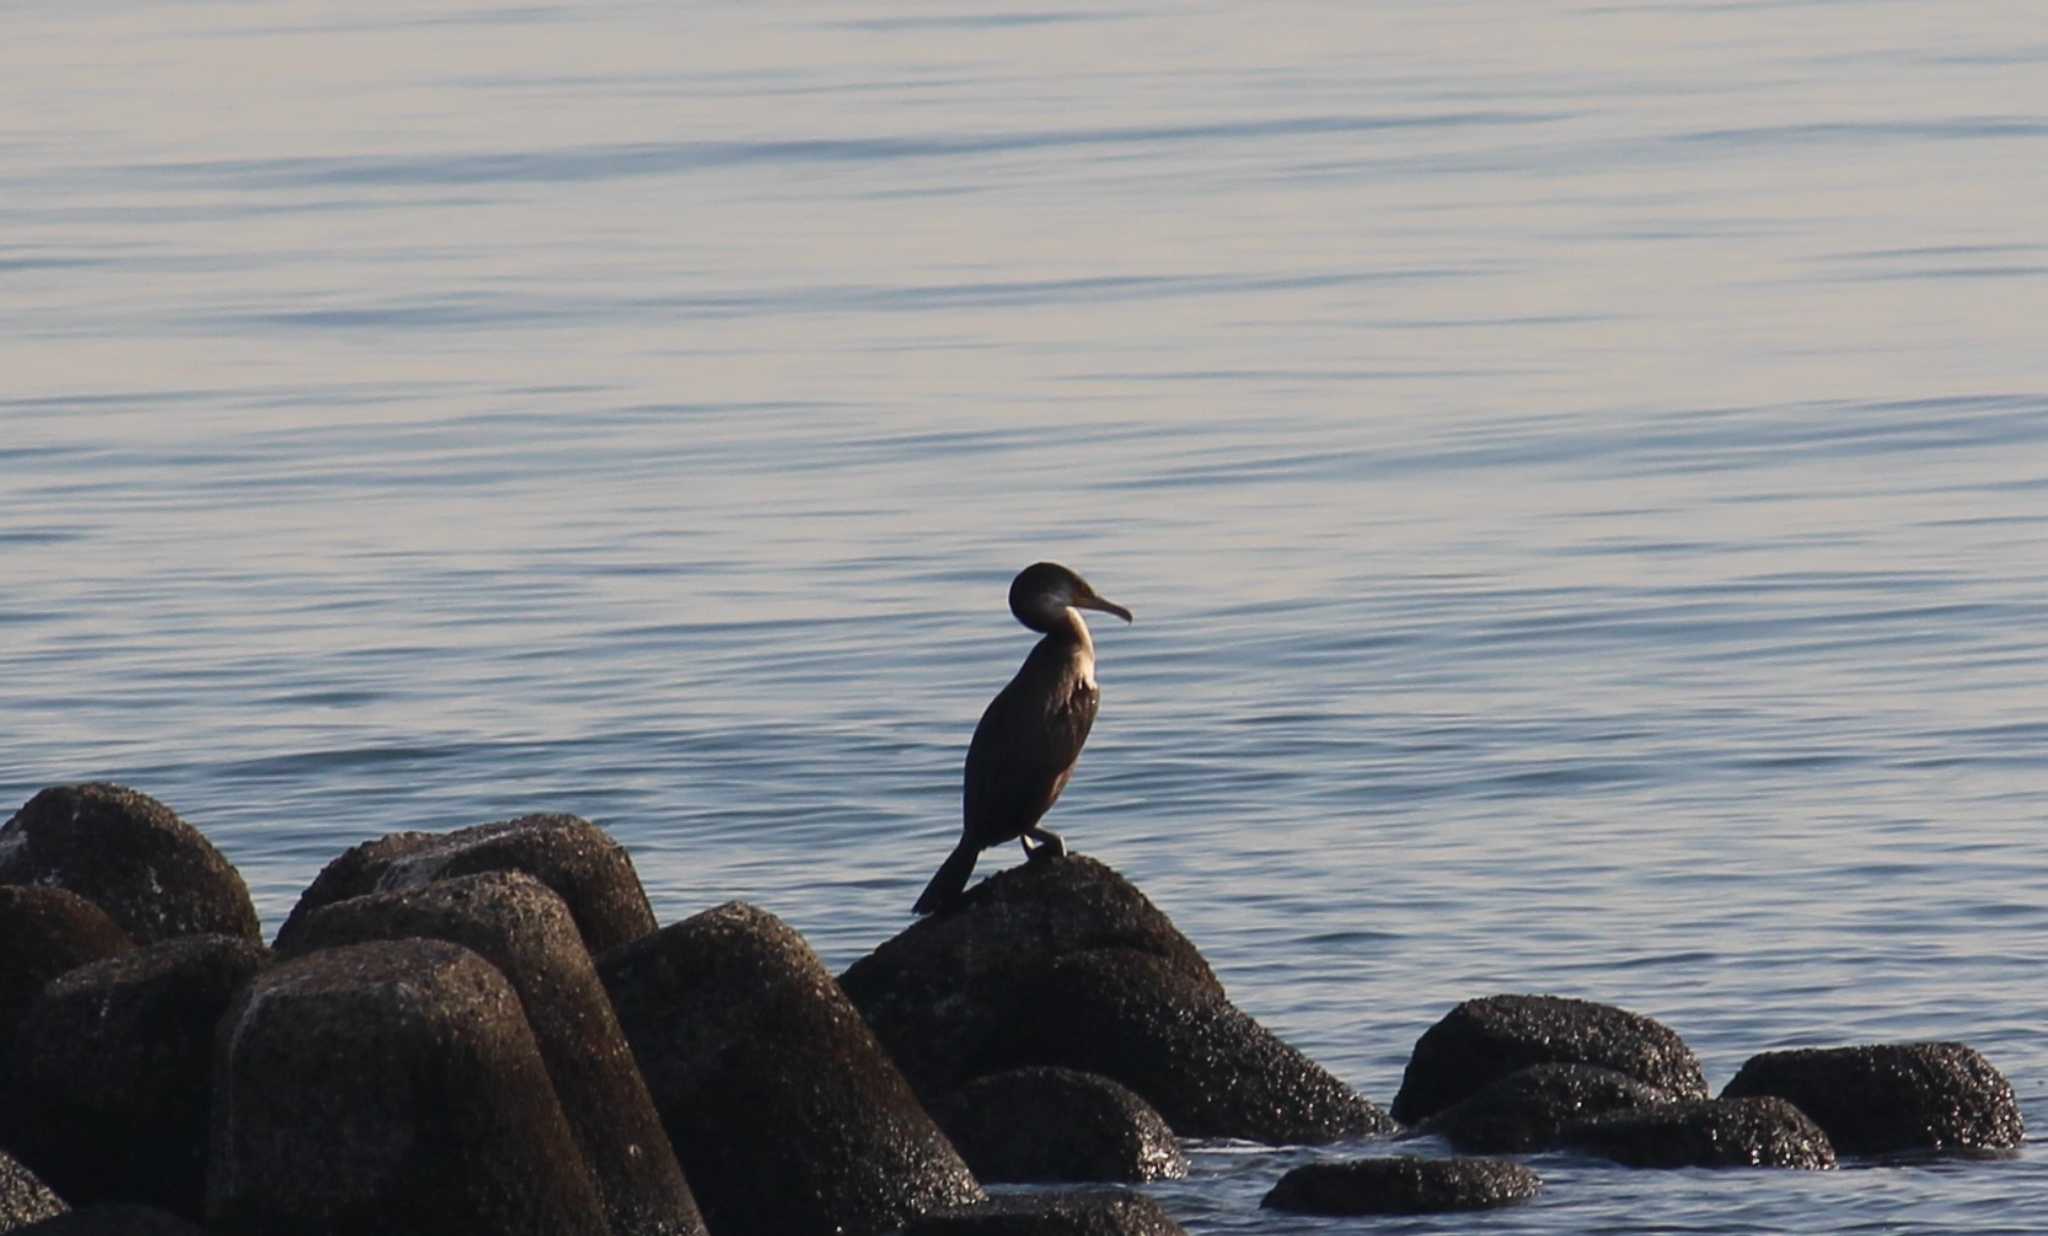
(1049, 844)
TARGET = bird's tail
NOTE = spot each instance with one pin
(951, 880)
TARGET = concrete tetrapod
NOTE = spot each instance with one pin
(131, 856)
(520, 926)
(389, 1089)
(588, 870)
(786, 1113)
(113, 1072)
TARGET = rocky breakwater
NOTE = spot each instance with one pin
(1537, 1072)
(1530, 1073)
(1526, 1074)
(104, 1047)
(430, 1048)
(430, 1052)
(486, 1030)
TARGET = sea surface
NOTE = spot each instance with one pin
(1580, 471)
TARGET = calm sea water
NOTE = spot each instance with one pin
(1580, 469)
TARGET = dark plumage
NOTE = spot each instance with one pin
(1025, 747)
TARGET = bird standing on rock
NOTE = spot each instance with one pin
(1025, 747)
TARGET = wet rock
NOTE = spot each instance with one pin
(1530, 1109)
(1046, 1124)
(1890, 1098)
(1094, 1212)
(113, 1219)
(786, 1113)
(520, 926)
(131, 856)
(45, 932)
(1210, 1069)
(1483, 1040)
(24, 1198)
(1756, 1132)
(1401, 1185)
(1063, 962)
(934, 992)
(113, 1072)
(585, 867)
(389, 1088)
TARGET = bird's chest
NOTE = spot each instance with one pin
(1082, 697)
(1077, 704)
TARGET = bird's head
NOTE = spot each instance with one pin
(1042, 593)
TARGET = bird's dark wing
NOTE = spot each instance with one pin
(1027, 743)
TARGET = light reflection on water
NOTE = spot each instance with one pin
(1577, 472)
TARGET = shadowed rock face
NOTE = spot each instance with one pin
(520, 926)
(23, 1197)
(1530, 1109)
(45, 932)
(1062, 962)
(131, 856)
(1210, 1070)
(1114, 1212)
(1891, 1098)
(113, 1219)
(1759, 1132)
(113, 1072)
(587, 869)
(1401, 1185)
(786, 1113)
(389, 1088)
(1483, 1040)
(1044, 1124)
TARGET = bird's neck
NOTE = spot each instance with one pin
(1071, 625)
(1070, 633)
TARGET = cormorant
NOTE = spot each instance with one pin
(1025, 747)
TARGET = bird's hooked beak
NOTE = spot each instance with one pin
(1088, 600)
